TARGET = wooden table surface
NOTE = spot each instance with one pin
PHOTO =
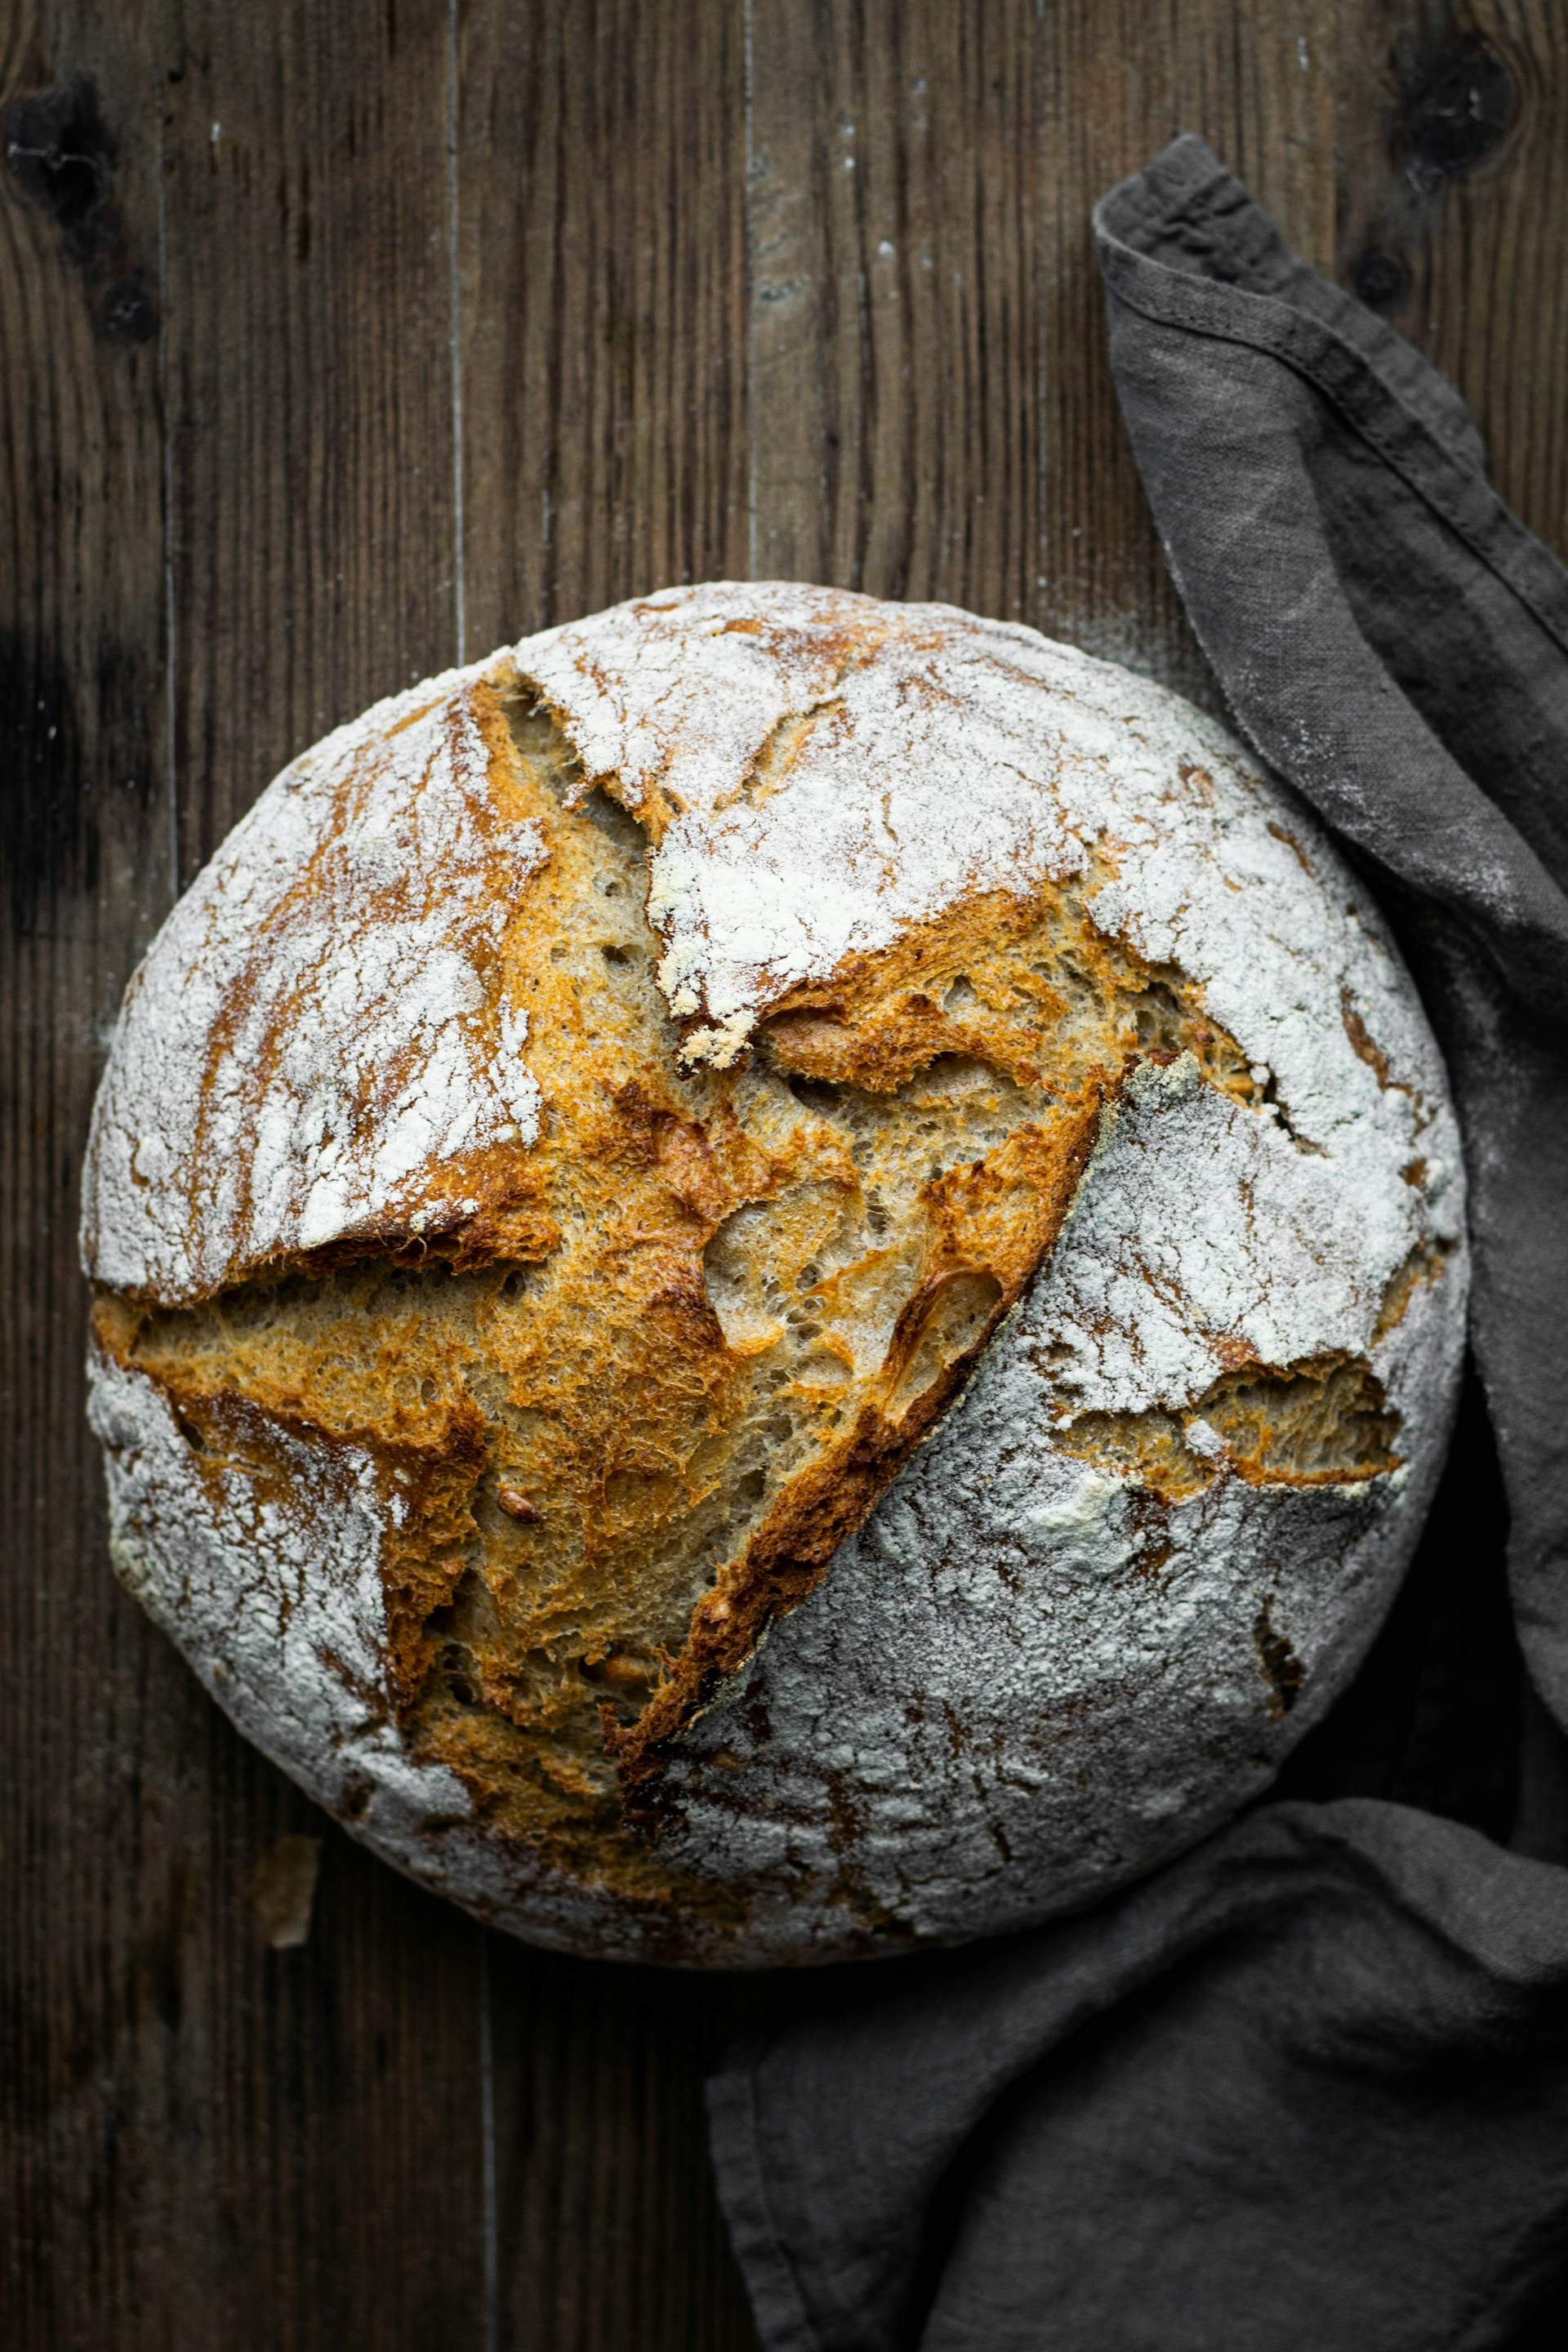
(337, 342)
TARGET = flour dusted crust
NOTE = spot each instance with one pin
(316, 1050)
(777, 1275)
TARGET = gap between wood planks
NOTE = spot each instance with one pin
(489, 2216)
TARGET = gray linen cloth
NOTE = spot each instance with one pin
(1307, 2087)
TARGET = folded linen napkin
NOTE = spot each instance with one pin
(1307, 2087)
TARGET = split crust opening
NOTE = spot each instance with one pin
(624, 1419)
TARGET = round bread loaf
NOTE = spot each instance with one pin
(775, 1277)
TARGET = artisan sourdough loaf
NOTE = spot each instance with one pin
(775, 1277)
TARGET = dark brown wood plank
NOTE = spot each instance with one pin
(222, 2144)
(91, 1956)
(753, 284)
(1453, 216)
(932, 409)
(1259, 85)
(339, 2088)
(893, 215)
(601, 198)
(601, 194)
(311, 380)
(611, 2236)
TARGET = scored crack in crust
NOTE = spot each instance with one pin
(632, 1411)
(625, 1321)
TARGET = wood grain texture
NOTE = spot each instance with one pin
(893, 161)
(1452, 218)
(89, 1980)
(599, 193)
(312, 567)
(599, 188)
(237, 531)
(334, 342)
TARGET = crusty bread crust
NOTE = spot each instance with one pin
(526, 1341)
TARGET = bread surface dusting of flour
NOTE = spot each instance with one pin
(777, 1276)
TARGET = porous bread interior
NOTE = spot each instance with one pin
(724, 1308)
(1320, 1421)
